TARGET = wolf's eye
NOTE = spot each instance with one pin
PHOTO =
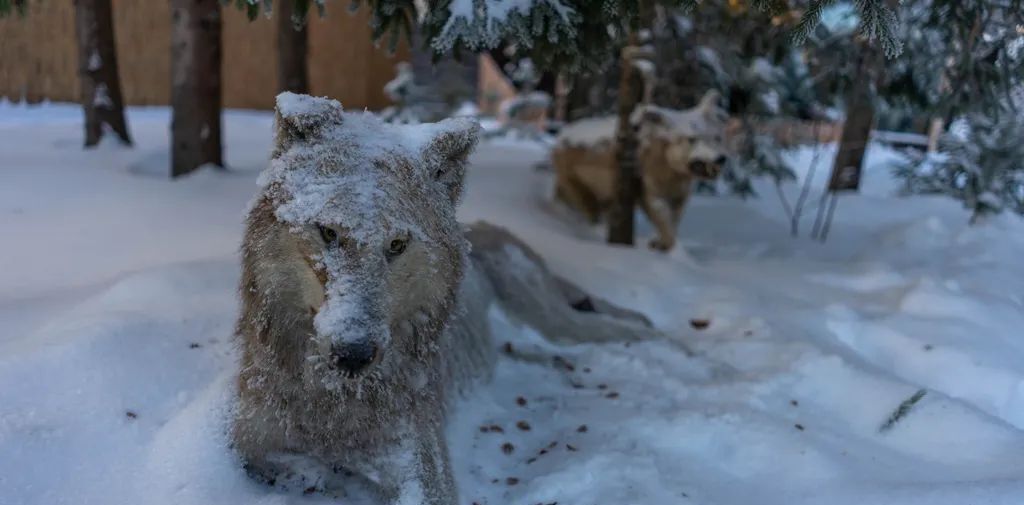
(327, 234)
(396, 247)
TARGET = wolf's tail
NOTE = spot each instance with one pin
(557, 309)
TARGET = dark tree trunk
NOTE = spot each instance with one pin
(195, 85)
(100, 84)
(628, 182)
(627, 179)
(860, 119)
(292, 48)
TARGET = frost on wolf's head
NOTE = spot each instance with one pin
(329, 165)
(371, 207)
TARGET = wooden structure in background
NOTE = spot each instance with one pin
(493, 87)
(38, 56)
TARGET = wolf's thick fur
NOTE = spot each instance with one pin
(675, 148)
(321, 271)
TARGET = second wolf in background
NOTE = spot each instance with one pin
(675, 147)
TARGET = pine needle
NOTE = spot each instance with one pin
(902, 410)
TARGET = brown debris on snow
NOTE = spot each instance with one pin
(564, 363)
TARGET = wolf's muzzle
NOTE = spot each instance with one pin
(706, 170)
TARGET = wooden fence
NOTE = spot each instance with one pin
(38, 57)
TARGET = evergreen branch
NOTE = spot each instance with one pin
(772, 7)
(686, 6)
(18, 6)
(810, 20)
(902, 410)
(879, 22)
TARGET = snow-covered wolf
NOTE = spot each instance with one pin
(363, 310)
(675, 148)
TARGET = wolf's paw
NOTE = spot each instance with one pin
(659, 244)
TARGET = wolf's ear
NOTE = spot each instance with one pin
(711, 106)
(446, 152)
(300, 117)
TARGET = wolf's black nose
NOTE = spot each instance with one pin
(353, 357)
(721, 160)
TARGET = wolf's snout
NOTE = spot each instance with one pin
(353, 357)
(706, 169)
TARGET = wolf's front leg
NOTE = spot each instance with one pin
(658, 213)
(419, 471)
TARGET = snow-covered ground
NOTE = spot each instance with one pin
(117, 299)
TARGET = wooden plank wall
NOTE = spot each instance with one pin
(38, 57)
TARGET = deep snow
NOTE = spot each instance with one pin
(117, 303)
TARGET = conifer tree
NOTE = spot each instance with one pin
(965, 63)
(981, 165)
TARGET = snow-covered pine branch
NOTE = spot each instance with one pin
(482, 24)
(982, 165)
(570, 34)
(878, 22)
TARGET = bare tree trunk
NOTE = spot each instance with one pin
(100, 83)
(195, 85)
(627, 180)
(860, 119)
(292, 48)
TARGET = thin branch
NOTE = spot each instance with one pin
(782, 198)
(816, 229)
(805, 190)
(828, 220)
